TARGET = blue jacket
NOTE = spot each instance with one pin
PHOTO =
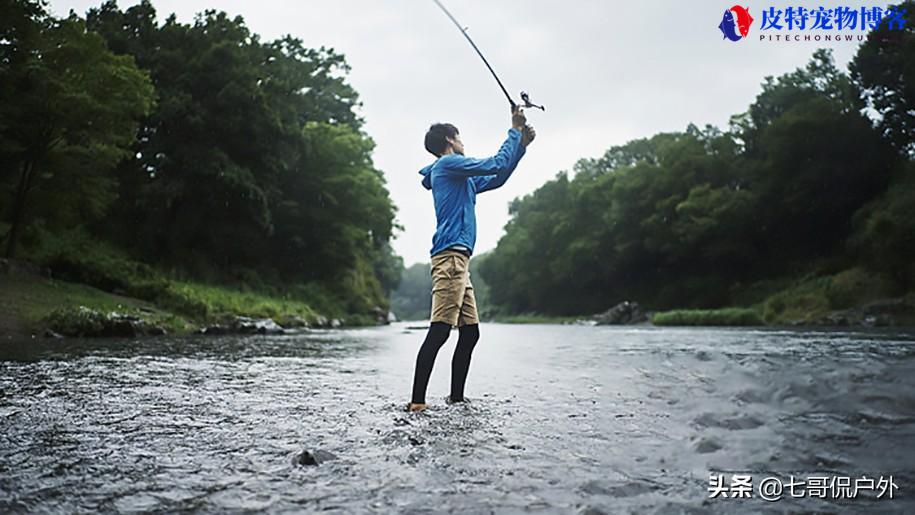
(455, 181)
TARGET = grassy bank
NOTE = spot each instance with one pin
(535, 319)
(855, 296)
(708, 317)
(104, 279)
(27, 300)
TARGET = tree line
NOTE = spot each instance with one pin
(817, 174)
(197, 147)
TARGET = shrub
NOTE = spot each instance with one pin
(708, 317)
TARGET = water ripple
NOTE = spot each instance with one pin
(562, 419)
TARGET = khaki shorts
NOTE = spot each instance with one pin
(452, 293)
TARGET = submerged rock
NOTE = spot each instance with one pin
(315, 457)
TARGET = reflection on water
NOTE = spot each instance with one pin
(561, 419)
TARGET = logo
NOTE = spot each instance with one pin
(821, 23)
(735, 24)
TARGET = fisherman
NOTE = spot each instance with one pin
(455, 181)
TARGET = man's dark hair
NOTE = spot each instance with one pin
(435, 138)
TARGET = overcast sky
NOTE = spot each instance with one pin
(607, 71)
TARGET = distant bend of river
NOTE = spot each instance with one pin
(561, 419)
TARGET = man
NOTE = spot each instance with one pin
(455, 181)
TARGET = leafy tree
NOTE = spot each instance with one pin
(883, 70)
(684, 219)
(821, 165)
(885, 235)
(817, 81)
(253, 160)
(67, 117)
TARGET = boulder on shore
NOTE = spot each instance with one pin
(381, 315)
(292, 322)
(244, 325)
(623, 313)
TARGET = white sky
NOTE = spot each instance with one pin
(607, 71)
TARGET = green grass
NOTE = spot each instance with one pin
(75, 257)
(27, 300)
(535, 319)
(811, 298)
(708, 317)
(216, 302)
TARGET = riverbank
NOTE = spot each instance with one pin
(886, 312)
(34, 304)
(852, 297)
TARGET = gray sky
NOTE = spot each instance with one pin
(607, 71)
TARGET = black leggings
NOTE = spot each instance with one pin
(460, 364)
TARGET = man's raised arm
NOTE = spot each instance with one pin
(504, 161)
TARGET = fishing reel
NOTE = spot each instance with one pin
(527, 101)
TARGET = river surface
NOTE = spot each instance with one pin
(561, 419)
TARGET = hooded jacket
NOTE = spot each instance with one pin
(456, 180)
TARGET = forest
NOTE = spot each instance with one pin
(815, 181)
(801, 206)
(179, 163)
(136, 153)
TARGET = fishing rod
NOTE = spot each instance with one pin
(524, 96)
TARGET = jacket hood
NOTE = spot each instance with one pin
(426, 172)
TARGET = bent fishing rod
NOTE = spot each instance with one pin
(524, 96)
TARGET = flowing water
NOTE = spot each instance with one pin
(561, 419)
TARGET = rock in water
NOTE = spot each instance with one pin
(315, 457)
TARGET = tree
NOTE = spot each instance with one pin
(253, 160)
(883, 70)
(683, 219)
(819, 80)
(68, 115)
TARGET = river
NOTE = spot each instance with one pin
(561, 419)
